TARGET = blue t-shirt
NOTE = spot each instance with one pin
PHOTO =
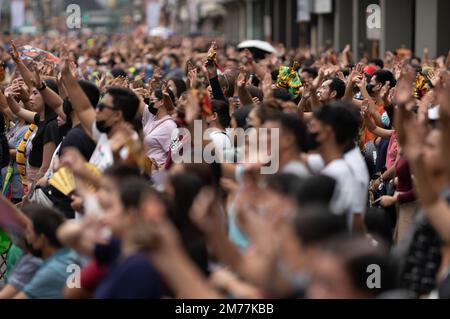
(50, 280)
(24, 271)
(131, 278)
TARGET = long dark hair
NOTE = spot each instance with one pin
(5, 158)
(49, 112)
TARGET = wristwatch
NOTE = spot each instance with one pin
(42, 87)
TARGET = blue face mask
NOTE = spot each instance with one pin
(234, 233)
(166, 63)
(298, 280)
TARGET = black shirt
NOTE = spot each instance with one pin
(77, 137)
(131, 277)
(47, 132)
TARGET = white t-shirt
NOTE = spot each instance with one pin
(102, 156)
(50, 171)
(222, 143)
(343, 196)
(360, 174)
(358, 166)
(95, 133)
(296, 168)
(352, 177)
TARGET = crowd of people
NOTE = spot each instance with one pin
(95, 203)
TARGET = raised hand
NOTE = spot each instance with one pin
(36, 79)
(357, 72)
(442, 90)
(347, 49)
(391, 96)
(447, 61)
(24, 94)
(12, 91)
(425, 57)
(15, 54)
(165, 88)
(267, 85)
(206, 213)
(405, 86)
(155, 80)
(361, 82)
(384, 92)
(64, 66)
(242, 78)
(397, 70)
(101, 81)
(331, 71)
(192, 76)
(423, 104)
(211, 62)
(365, 109)
(212, 51)
(414, 139)
(140, 92)
(389, 57)
(341, 76)
(190, 65)
(307, 90)
(433, 76)
(192, 108)
(73, 69)
(440, 62)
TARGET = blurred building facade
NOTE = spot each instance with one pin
(414, 24)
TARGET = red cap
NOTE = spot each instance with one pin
(370, 69)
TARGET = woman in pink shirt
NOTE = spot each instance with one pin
(392, 150)
(158, 126)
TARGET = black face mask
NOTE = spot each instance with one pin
(101, 126)
(311, 140)
(151, 107)
(369, 88)
(35, 252)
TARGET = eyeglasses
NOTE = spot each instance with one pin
(101, 106)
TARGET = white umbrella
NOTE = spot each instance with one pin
(161, 32)
(257, 44)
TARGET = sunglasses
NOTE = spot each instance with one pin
(101, 106)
